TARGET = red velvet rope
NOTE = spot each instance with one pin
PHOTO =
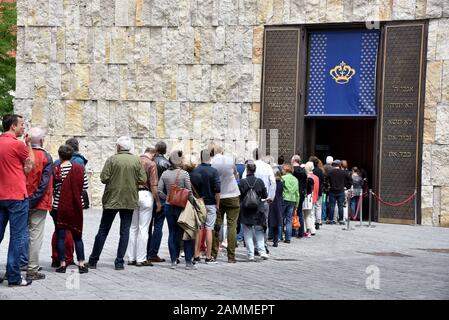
(394, 204)
(358, 207)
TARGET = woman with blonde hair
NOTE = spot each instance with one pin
(189, 163)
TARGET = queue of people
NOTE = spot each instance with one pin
(257, 198)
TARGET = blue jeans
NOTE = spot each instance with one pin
(289, 207)
(280, 230)
(259, 235)
(324, 207)
(175, 233)
(60, 245)
(16, 212)
(240, 234)
(301, 221)
(3, 224)
(338, 197)
(270, 233)
(354, 204)
(25, 249)
(107, 218)
(155, 237)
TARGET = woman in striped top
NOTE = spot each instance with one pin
(65, 169)
(68, 183)
(173, 175)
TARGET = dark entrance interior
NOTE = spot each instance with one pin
(349, 139)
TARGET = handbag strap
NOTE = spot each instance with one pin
(191, 184)
(177, 176)
(194, 190)
(255, 181)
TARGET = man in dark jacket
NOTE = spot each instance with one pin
(77, 157)
(338, 181)
(325, 203)
(301, 175)
(155, 236)
(250, 217)
(162, 163)
(206, 181)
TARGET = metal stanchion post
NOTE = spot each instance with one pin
(361, 209)
(416, 208)
(348, 228)
(369, 209)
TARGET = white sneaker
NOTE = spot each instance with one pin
(211, 260)
(173, 265)
(264, 256)
(251, 258)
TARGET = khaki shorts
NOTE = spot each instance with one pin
(211, 216)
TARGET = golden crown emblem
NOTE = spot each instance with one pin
(342, 73)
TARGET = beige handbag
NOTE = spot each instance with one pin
(202, 212)
(308, 204)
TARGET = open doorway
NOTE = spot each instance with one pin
(344, 139)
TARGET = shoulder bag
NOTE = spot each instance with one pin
(178, 196)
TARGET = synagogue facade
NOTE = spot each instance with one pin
(366, 80)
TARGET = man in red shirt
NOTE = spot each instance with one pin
(39, 188)
(16, 160)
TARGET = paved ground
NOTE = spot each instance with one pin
(332, 265)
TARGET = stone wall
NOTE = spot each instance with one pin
(187, 71)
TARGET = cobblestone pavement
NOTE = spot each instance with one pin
(334, 264)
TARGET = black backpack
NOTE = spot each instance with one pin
(251, 200)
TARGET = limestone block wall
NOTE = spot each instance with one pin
(188, 71)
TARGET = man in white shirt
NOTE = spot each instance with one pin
(229, 200)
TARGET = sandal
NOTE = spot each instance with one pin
(145, 263)
(83, 269)
(61, 269)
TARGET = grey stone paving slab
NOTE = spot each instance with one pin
(331, 265)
